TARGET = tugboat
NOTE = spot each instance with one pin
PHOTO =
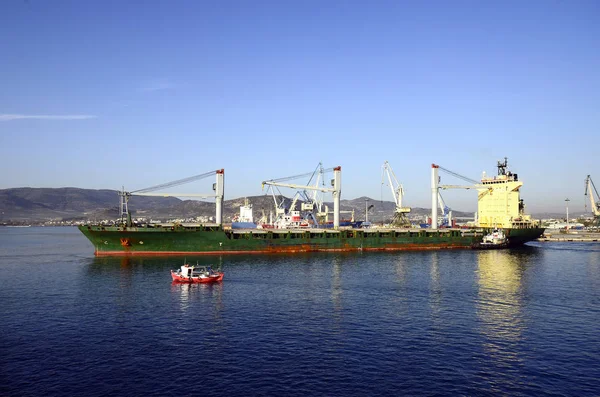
(195, 274)
(494, 240)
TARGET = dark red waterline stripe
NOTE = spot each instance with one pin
(239, 252)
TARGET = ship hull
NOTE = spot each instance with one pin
(213, 240)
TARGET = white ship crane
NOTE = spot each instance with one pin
(400, 218)
(312, 202)
(309, 202)
(218, 188)
(279, 203)
(446, 211)
(435, 194)
(336, 189)
(590, 189)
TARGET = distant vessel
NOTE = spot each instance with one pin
(499, 206)
(344, 223)
(245, 220)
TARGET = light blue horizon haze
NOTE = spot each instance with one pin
(104, 94)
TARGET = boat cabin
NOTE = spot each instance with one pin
(203, 271)
(186, 270)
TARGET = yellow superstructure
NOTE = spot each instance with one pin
(499, 203)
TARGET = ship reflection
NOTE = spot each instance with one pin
(594, 268)
(435, 288)
(400, 268)
(123, 268)
(336, 289)
(204, 300)
(500, 302)
(191, 294)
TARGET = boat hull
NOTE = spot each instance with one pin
(213, 240)
(483, 246)
(243, 225)
(196, 280)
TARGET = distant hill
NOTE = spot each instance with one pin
(37, 205)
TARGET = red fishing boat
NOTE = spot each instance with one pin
(195, 274)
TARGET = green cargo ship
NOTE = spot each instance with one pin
(213, 239)
(499, 207)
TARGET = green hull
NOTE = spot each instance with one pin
(202, 239)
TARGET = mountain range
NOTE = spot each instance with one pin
(69, 204)
(38, 205)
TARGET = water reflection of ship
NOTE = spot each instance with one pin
(500, 302)
(594, 268)
(336, 290)
(108, 266)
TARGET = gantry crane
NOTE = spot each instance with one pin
(218, 188)
(400, 218)
(590, 189)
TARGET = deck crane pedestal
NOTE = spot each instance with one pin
(218, 188)
(590, 189)
(400, 212)
(336, 190)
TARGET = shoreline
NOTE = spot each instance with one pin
(583, 236)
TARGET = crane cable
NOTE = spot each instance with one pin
(464, 178)
(175, 183)
(310, 174)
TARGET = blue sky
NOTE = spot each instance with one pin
(111, 93)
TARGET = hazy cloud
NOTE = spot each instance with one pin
(9, 117)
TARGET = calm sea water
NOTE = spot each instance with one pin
(509, 322)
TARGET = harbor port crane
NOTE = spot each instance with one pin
(336, 189)
(590, 189)
(400, 218)
(218, 188)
